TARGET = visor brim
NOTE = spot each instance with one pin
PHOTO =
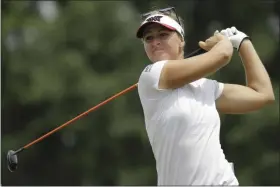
(142, 28)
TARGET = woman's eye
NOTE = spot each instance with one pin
(163, 34)
(148, 38)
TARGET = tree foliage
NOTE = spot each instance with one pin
(61, 58)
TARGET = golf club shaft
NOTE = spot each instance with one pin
(81, 115)
(196, 52)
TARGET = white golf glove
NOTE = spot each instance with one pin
(235, 36)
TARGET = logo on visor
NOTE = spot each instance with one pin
(155, 18)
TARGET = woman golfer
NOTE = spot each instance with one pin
(181, 107)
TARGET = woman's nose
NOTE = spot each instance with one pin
(156, 41)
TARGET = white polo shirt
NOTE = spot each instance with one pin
(183, 127)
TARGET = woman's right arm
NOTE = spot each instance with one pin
(177, 73)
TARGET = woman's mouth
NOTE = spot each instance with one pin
(158, 50)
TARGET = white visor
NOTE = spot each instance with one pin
(163, 20)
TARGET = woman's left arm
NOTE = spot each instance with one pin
(237, 99)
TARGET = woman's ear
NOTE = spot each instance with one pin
(182, 44)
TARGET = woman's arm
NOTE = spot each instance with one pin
(256, 75)
(176, 73)
(257, 93)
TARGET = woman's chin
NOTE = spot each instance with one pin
(161, 57)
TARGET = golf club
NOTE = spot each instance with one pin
(12, 159)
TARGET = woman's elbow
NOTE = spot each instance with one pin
(270, 99)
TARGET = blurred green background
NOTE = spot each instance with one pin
(60, 58)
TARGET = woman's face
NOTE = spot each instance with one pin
(161, 43)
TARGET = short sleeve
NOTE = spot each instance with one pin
(151, 75)
(148, 89)
(218, 89)
(214, 87)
